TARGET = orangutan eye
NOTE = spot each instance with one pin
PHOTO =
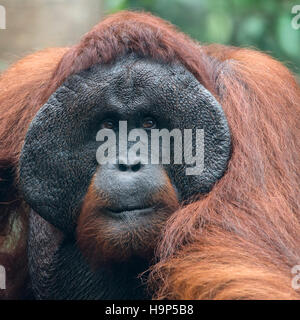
(108, 124)
(149, 123)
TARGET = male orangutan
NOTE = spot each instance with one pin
(71, 228)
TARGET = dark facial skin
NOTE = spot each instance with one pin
(120, 209)
(61, 141)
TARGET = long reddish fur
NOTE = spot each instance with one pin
(241, 240)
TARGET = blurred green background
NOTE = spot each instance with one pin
(261, 24)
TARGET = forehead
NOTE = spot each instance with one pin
(132, 83)
(131, 72)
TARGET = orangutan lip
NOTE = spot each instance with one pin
(128, 211)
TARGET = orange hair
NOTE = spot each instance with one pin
(241, 240)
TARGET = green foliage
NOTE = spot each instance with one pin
(262, 24)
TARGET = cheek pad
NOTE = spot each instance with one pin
(58, 158)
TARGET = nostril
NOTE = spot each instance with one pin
(136, 167)
(123, 167)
